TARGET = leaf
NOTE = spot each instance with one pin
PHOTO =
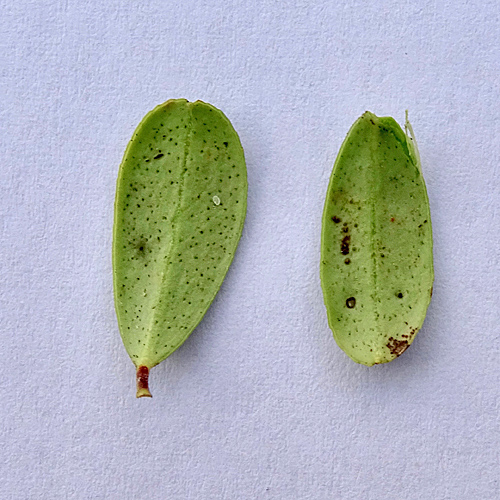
(179, 213)
(376, 243)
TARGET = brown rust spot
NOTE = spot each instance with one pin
(347, 261)
(432, 288)
(397, 347)
(344, 246)
(392, 219)
(350, 302)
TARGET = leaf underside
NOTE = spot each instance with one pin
(179, 213)
(376, 250)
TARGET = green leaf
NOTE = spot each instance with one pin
(376, 242)
(179, 213)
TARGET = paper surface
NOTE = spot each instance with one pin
(259, 403)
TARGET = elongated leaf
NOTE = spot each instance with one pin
(179, 213)
(376, 249)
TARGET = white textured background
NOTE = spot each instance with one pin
(260, 403)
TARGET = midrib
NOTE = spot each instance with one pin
(148, 340)
(374, 251)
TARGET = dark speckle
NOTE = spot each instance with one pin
(347, 261)
(141, 246)
(159, 155)
(399, 295)
(335, 219)
(412, 332)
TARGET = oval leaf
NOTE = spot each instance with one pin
(376, 248)
(179, 213)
